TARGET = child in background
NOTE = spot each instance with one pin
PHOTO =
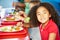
(45, 16)
(23, 4)
(32, 30)
(27, 6)
(19, 3)
(34, 2)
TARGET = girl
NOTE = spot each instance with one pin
(45, 16)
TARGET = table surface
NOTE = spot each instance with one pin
(20, 34)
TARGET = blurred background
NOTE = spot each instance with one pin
(8, 3)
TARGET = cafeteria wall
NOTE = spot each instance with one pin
(7, 3)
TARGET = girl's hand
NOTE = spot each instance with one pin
(26, 25)
(22, 13)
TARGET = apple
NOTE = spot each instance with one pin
(27, 19)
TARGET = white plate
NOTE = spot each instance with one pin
(8, 29)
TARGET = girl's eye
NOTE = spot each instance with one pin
(38, 14)
(44, 12)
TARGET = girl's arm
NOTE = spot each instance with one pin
(26, 19)
(52, 36)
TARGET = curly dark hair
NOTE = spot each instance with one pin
(49, 7)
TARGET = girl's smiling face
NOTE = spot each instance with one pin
(42, 14)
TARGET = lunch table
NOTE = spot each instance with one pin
(19, 35)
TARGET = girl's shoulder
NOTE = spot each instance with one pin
(52, 27)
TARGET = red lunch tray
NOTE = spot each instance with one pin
(10, 22)
(19, 34)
